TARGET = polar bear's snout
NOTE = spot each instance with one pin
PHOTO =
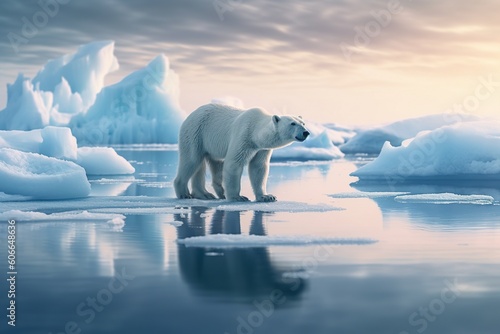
(303, 136)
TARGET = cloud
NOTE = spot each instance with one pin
(293, 40)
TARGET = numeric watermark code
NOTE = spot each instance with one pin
(11, 273)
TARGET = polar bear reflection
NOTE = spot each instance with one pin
(240, 272)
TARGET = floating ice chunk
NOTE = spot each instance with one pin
(51, 141)
(339, 134)
(446, 198)
(371, 141)
(144, 210)
(374, 194)
(41, 177)
(280, 206)
(466, 151)
(240, 240)
(316, 147)
(159, 205)
(117, 223)
(24, 216)
(103, 161)
(176, 223)
(300, 163)
(58, 142)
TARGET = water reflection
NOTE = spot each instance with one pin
(231, 273)
(444, 216)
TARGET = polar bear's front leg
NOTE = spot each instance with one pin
(258, 169)
(233, 169)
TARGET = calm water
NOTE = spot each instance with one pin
(434, 269)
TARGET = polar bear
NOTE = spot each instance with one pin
(228, 139)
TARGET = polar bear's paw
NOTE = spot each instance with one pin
(239, 199)
(267, 198)
(204, 195)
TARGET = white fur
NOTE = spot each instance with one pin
(229, 139)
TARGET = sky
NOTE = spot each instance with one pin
(355, 62)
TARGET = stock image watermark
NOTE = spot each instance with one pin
(265, 308)
(365, 34)
(11, 272)
(421, 318)
(30, 28)
(223, 6)
(87, 310)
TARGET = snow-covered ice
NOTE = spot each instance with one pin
(159, 205)
(24, 216)
(41, 177)
(465, 151)
(446, 198)
(240, 240)
(371, 141)
(143, 210)
(280, 206)
(56, 142)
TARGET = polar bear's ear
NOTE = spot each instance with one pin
(276, 118)
(300, 117)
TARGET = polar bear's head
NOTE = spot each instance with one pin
(290, 128)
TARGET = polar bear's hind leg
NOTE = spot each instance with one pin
(198, 183)
(187, 168)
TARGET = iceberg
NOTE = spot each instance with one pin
(64, 87)
(371, 141)
(69, 92)
(41, 177)
(76, 79)
(464, 151)
(143, 108)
